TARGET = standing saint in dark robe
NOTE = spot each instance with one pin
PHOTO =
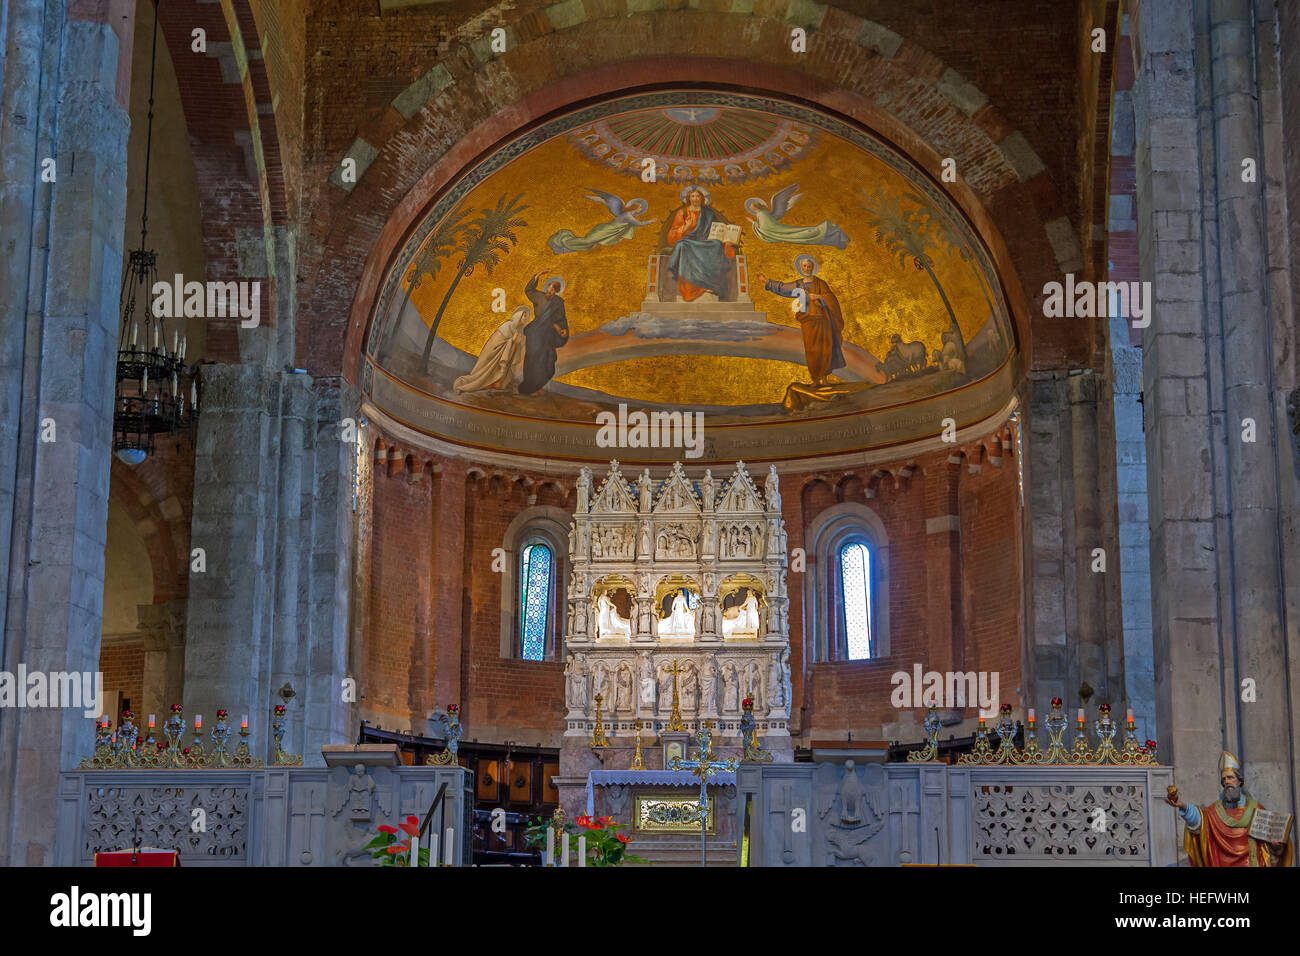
(546, 333)
(818, 312)
(698, 263)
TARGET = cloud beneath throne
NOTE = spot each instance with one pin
(647, 325)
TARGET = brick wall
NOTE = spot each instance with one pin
(450, 575)
(122, 664)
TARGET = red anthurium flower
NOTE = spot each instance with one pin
(585, 822)
(1151, 745)
(621, 837)
(397, 848)
(411, 826)
(387, 829)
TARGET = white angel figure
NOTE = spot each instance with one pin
(622, 226)
(766, 222)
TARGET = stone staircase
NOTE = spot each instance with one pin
(682, 850)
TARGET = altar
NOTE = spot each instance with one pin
(678, 619)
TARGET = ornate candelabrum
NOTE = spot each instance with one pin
(981, 752)
(1106, 730)
(1056, 752)
(598, 738)
(931, 749)
(173, 728)
(103, 756)
(128, 736)
(753, 753)
(196, 755)
(220, 734)
(675, 719)
(282, 759)
(452, 730)
(243, 756)
(1032, 753)
(638, 761)
(1006, 731)
(1081, 753)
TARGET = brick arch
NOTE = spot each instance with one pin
(1008, 192)
(162, 518)
(235, 140)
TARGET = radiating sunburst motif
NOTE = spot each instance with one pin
(703, 144)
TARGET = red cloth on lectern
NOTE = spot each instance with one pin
(142, 858)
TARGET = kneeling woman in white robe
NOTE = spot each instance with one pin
(501, 363)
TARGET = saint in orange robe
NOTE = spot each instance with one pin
(822, 324)
(1224, 838)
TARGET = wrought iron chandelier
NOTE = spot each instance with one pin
(152, 377)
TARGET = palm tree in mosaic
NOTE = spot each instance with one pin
(492, 234)
(907, 234)
(427, 264)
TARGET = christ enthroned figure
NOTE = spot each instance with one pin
(699, 264)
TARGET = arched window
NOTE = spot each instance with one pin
(535, 579)
(533, 590)
(846, 586)
(855, 590)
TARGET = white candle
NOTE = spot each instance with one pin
(1031, 715)
(106, 720)
(184, 342)
(135, 327)
(564, 851)
(415, 850)
(550, 847)
(155, 336)
(243, 721)
(145, 387)
(176, 341)
(1080, 715)
(194, 395)
(198, 721)
(151, 721)
(433, 847)
(1130, 715)
(450, 858)
(582, 851)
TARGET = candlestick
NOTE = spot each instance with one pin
(550, 847)
(450, 858)
(415, 850)
(582, 851)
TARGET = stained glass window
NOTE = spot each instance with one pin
(535, 599)
(855, 586)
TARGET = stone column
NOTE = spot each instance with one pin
(1214, 247)
(1074, 618)
(231, 601)
(945, 622)
(447, 659)
(61, 272)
